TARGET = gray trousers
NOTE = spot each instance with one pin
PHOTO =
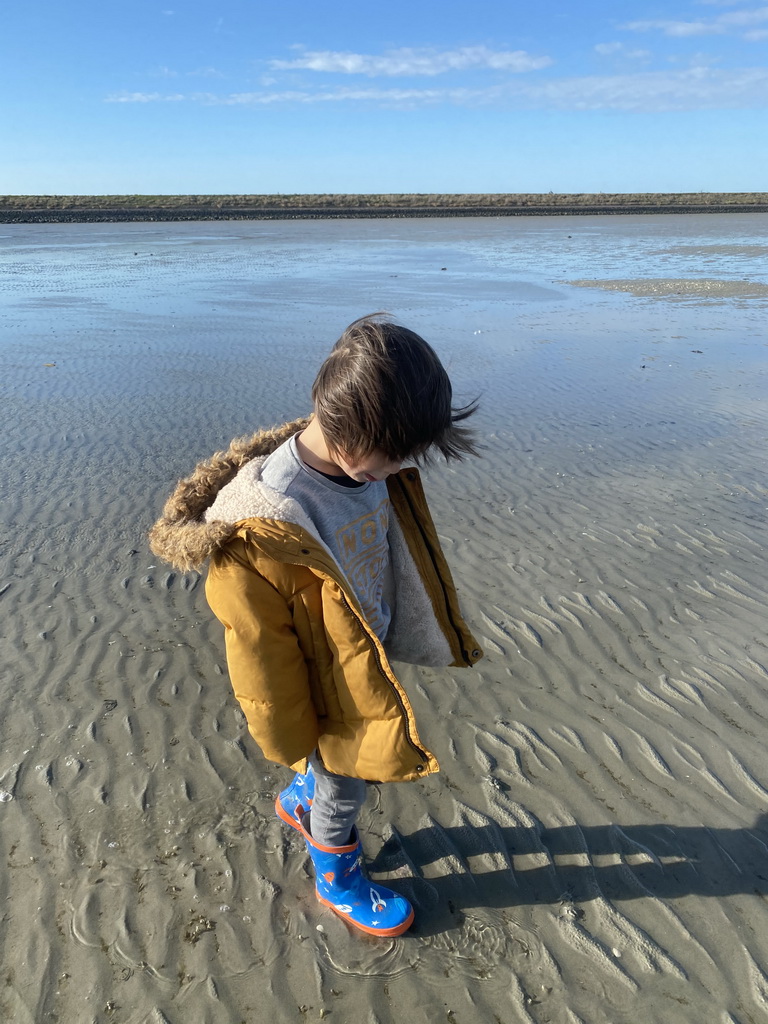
(336, 805)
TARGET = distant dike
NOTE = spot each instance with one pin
(114, 209)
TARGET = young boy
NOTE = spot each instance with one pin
(325, 566)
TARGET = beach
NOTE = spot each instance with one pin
(595, 847)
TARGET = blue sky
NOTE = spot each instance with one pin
(245, 96)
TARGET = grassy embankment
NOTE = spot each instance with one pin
(48, 209)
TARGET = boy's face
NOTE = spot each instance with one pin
(376, 466)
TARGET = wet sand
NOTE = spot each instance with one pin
(595, 847)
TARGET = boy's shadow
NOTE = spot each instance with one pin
(453, 869)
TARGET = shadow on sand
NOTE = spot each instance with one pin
(491, 866)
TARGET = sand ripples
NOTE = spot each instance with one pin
(594, 849)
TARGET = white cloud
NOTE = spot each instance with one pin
(697, 88)
(605, 49)
(146, 97)
(727, 22)
(408, 61)
(616, 49)
(208, 72)
(754, 17)
(677, 28)
(756, 35)
(388, 97)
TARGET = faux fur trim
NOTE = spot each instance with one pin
(181, 536)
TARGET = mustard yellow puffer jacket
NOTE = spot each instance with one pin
(305, 666)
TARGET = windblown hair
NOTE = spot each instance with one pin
(384, 388)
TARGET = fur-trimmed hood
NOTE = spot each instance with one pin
(182, 536)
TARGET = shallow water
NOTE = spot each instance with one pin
(133, 349)
(594, 846)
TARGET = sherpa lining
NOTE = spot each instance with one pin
(248, 497)
(414, 634)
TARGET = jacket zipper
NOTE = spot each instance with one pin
(390, 684)
(403, 712)
(428, 548)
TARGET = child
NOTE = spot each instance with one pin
(325, 566)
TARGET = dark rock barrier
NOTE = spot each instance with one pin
(203, 213)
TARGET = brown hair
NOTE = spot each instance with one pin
(384, 388)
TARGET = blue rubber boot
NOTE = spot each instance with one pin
(300, 793)
(342, 885)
